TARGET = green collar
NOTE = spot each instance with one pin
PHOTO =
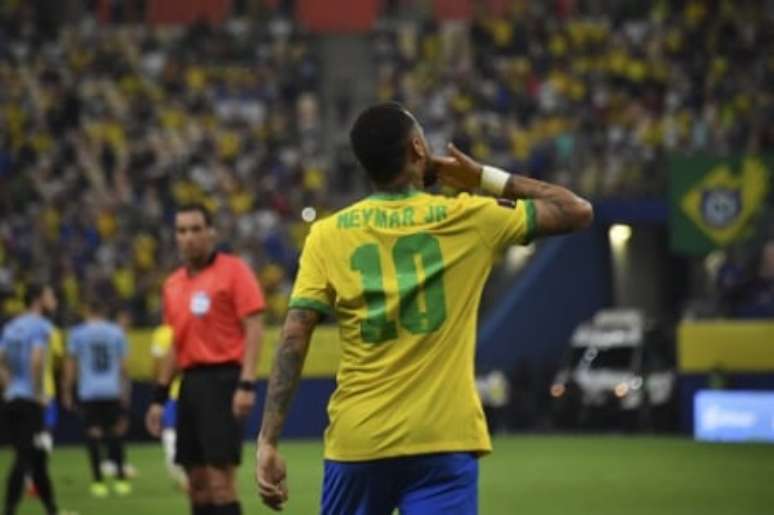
(383, 195)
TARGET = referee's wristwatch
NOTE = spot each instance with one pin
(160, 394)
(246, 386)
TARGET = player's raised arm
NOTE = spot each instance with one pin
(283, 380)
(557, 209)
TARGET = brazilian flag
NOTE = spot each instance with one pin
(715, 202)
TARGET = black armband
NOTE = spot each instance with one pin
(160, 394)
(247, 386)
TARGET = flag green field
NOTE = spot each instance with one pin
(531, 475)
(716, 202)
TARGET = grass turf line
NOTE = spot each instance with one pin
(531, 475)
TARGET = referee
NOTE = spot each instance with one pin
(213, 305)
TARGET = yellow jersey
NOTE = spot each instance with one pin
(54, 357)
(161, 342)
(403, 275)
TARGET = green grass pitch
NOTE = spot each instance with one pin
(531, 475)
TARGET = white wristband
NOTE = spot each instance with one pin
(493, 180)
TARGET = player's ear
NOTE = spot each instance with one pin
(418, 150)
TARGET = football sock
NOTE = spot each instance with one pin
(42, 480)
(15, 485)
(92, 446)
(117, 455)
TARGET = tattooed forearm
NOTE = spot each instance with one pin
(282, 386)
(559, 210)
(286, 371)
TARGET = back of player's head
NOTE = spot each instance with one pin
(95, 304)
(196, 207)
(34, 291)
(380, 138)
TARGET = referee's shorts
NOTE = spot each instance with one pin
(208, 433)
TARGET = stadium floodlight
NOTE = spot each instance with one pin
(557, 390)
(309, 214)
(619, 234)
(621, 390)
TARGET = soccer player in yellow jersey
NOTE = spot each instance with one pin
(403, 271)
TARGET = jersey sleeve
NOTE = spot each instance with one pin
(248, 297)
(503, 222)
(42, 335)
(312, 289)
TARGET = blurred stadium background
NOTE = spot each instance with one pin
(659, 320)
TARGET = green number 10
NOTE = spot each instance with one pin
(422, 306)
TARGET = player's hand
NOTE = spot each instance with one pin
(270, 476)
(153, 419)
(242, 403)
(458, 170)
(122, 425)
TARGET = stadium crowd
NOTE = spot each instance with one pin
(593, 94)
(104, 129)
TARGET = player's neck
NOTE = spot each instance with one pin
(400, 185)
(195, 266)
(35, 310)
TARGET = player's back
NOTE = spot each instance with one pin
(20, 337)
(404, 275)
(99, 348)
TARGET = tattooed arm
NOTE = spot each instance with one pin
(285, 374)
(557, 209)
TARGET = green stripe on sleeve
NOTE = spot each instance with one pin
(315, 305)
(529, 206)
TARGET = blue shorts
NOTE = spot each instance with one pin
(51, 415)
(169, 420)
(426, 484)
